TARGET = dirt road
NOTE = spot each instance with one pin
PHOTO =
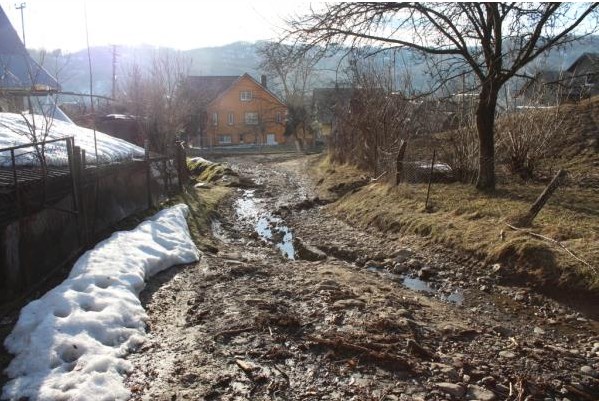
(299, 305)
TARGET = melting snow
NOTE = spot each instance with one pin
(14, 131)
(71, 343)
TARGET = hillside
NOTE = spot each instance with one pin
(236, 58)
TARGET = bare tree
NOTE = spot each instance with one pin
(155, 97)
(293, 69)
(493, 41)
(374, 117)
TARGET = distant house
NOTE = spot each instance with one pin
(550, 88)
(21, 78)
(547, 87)
(328, 104)
(236, 110)
(585, 75)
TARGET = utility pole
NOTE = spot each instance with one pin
(114, 57)
(21, 7)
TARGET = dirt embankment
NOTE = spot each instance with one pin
(463, 219)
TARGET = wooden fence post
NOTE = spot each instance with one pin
(430, 179)
(399, 165)
(536, 207)
(182, 172)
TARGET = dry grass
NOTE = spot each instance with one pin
(473, 222)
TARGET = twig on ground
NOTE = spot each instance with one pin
(388, 360)
(232, 332)
(539, 236)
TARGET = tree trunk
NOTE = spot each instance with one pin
(485, 126)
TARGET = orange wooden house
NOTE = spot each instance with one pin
(239, 110)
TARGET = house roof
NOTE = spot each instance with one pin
(210, 86)
(18, 71)
(544, 77)
(592, 57)
(214, 87)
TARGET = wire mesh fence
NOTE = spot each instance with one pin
(399, 166)
(408, 167)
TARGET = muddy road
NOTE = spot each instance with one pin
(300, 305)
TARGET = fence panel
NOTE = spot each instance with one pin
(51, 211)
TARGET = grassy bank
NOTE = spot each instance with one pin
(473, 222)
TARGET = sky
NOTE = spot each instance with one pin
(180, 24)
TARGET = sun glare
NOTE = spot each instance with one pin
(179, 24)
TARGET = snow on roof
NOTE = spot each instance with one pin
(15, 131)
(72, 342)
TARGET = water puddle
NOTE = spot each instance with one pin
(416, 284)
(271, 229)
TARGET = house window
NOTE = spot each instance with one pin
(215, 118)
(224, 139)
(245, 96)
(241, 138)
(278, 117)
(231, 118)
(251, 118)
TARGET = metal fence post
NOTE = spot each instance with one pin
(430, 180)
(148, 172)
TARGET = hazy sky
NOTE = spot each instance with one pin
(182, 24)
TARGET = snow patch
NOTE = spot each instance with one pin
(14, 131)
(71, 343)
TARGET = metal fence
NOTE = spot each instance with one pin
(51, 211)
(397, 166)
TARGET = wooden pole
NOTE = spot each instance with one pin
(430, 179)
(543, 198)
(399, 165)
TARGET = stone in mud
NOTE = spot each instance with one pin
(403, 255)
(348, 303)
(308, 252)
(507, 354)
(414, 263)
(425, 273)
(399, 268)
(589, 371)
(371, 264)
(479, 393)
(455, 390)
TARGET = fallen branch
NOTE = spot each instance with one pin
(539, 236)
(233, 332)
(382, 358)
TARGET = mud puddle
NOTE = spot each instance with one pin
(455, 295)
(271, 229)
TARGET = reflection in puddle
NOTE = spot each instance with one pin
(416, 284)
(270, 228)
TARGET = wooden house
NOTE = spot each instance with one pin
(236, 111)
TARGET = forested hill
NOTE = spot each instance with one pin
(237, 58)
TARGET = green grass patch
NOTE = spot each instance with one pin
(208, 171)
